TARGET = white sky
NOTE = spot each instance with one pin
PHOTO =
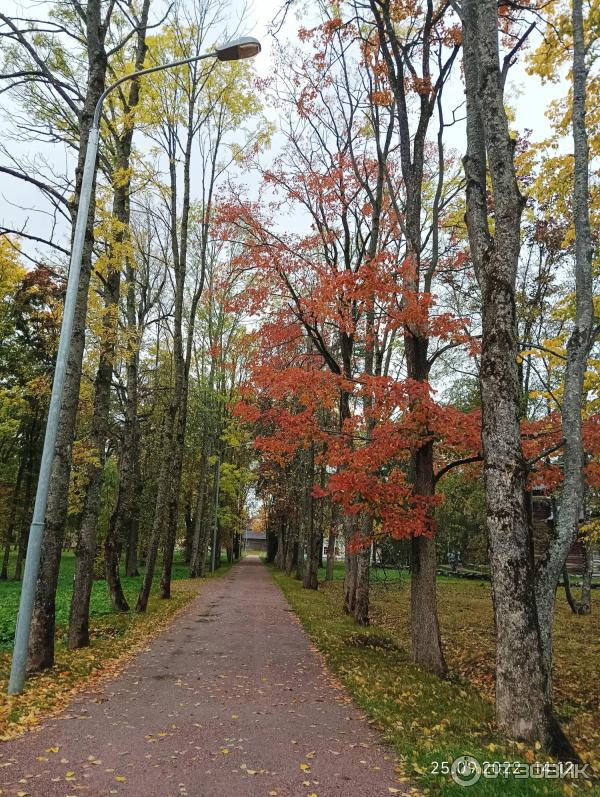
(17, 198)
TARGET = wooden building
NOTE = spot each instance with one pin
(543, 523)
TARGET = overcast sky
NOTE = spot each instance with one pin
(18, 200)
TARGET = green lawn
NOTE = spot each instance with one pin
(100, 606)
(379, 575)
(114, 637)
(376, 573)
(429, 721)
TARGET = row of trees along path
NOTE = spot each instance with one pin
(291, 337)
(229, 700)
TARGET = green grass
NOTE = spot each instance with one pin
(425, 719)
(114, 638)
(100, 605)
(376, 573)
(380, 575)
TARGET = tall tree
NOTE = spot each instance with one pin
(116, 254)
(523, 704)
(578, 347)
(409, 52)
(92, 23)
(202, 107)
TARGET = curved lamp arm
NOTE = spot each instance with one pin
(236, 50)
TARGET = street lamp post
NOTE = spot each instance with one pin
(246, 47)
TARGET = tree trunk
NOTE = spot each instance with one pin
(87, 541)
(426, 650)
(351, 568)
(578, 349)
(272, 544)
(310, 576)
(33, 464)
(189, 533)
(584, 605)
(5, 558)
(523, 707)
(361, 600)
(280, 555)
(426, 647)
(291, 550)
(204, 542)
(14, 511)
(198, 537)
(163, 492)
(173, 511)
(426, 643)
(41, 639)
(331, 540)
(123, 529)
(85, 551)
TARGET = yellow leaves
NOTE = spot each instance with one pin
(120, 778)
(225, 751)
(122, 177)
(305, 767)
(84, 458)
(591, 530)
(11, 270)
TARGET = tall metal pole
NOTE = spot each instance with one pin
(245, 47)
(216, 518)
(36, 533)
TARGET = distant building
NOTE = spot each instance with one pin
(340, 548)
(255, 541)
(543, 529)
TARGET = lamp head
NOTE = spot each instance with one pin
(246, 47)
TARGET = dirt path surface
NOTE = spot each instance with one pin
(229, 701)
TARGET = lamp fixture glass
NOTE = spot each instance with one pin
(236, 50)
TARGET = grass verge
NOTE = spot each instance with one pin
(426, 720)
(115, 639)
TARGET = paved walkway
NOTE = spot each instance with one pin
(229, 701)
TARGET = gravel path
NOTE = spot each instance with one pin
(229, 701)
